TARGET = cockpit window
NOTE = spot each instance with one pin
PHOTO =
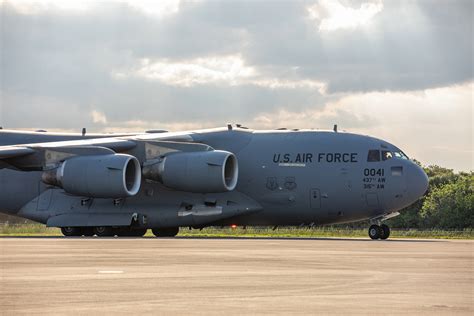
(374, 155)
(400, 154)
(386, 155)
(377, 155)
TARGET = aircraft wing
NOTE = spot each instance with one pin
(117, 144)
(113, 167)
(14, 151)
(76, 172)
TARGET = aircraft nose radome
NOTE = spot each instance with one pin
(417, 183)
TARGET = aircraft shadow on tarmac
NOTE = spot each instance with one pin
(230, 238)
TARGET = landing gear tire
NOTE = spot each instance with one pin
(132, 232)
(385, 231)
(375, 231)
(140, 232)
(71, 231)
(103, 231)
(165, 232)
(88, 231)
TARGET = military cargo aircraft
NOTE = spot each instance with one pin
(124, 184)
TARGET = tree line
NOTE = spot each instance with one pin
(447, 204)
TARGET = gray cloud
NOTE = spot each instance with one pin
(411, 45)
(63, 61)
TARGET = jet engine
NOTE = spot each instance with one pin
(101, 176)
(199, 172)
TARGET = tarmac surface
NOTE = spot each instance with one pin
(92, 276)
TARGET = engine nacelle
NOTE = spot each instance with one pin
(199, 172)
(101, 176)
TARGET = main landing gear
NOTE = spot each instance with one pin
(104, 231)
(165, 232)
(108, 231)
(379, 232)
(71, 231)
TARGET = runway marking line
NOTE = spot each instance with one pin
(110, 271)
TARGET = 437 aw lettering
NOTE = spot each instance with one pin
(374, 179)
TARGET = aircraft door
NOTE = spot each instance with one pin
(397, 181)
(315, 198)
(372, 199)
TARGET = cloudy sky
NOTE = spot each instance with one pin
(398, 70)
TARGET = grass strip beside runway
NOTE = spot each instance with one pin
(289, 232)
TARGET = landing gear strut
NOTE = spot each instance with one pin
(379, 232)
(165, 232)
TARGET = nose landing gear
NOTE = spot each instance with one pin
(379, 232)
(385, 231)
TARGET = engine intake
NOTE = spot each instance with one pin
(101, 176)
(199, 172)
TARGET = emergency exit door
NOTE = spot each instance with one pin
(315, 198)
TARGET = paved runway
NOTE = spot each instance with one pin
(235, 276)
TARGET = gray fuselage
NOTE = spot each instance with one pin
(285, 178)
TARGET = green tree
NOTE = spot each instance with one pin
(439, 176)
(409, 217)
(450, 205)
(413, 217)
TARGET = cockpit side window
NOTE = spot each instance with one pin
(400, 154)
(374, 155)
(386, 155)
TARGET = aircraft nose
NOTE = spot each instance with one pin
(417, 182)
